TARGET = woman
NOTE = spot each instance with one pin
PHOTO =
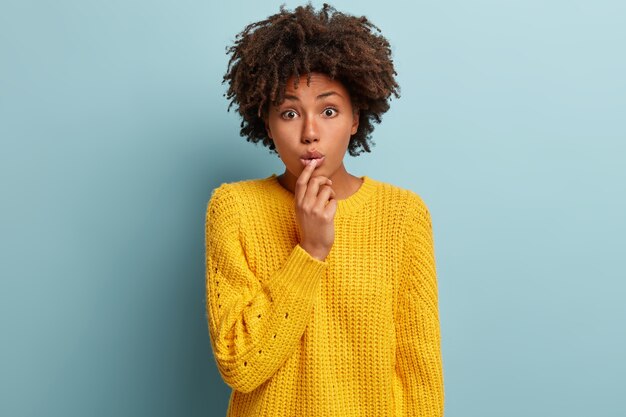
(321, 286)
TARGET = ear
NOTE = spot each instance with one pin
(355, 121)
(267, 128)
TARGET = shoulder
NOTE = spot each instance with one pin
(410, 209)
(409, 200)
(225, 208)
(233, 192)
(224, 205)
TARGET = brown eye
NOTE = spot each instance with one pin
(289, 114)
(329, 112)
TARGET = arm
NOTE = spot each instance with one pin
(418, 355)
(254, 327)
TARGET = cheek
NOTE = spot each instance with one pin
(341, 126)
(339, 134)
(285, 133)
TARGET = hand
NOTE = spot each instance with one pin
(315, 212)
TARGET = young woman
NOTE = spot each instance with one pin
(321, 286)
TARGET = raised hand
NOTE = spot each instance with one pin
(315, 212)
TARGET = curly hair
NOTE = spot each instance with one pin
(266, 53)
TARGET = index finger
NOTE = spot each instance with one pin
(303, 179)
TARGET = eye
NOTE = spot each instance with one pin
(289, 114)
(330, 111)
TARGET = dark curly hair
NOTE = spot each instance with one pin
(266, 53)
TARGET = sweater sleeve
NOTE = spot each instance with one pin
(254, 326)
(418, 355)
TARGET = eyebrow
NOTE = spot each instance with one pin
(321, 96)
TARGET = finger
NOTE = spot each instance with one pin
(331, 207)
(313, 188)
(324, 196)
(303, 180)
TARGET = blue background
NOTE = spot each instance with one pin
(114, 131)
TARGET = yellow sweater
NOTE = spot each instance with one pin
(354, 335)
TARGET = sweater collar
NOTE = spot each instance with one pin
(345, 206)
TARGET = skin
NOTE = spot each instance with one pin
(318, 117)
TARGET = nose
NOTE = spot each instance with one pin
(309, 130)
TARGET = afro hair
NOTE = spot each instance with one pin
(290, 43)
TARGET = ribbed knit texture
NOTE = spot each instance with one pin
(354, 335)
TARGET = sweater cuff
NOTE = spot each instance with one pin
(299, 277)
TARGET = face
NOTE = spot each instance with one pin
(314, 118)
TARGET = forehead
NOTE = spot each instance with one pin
(319, 82)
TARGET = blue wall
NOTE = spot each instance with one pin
(114, 131)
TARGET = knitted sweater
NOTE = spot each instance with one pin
(354, 335)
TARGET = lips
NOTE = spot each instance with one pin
(307, 157)
(311, 155)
